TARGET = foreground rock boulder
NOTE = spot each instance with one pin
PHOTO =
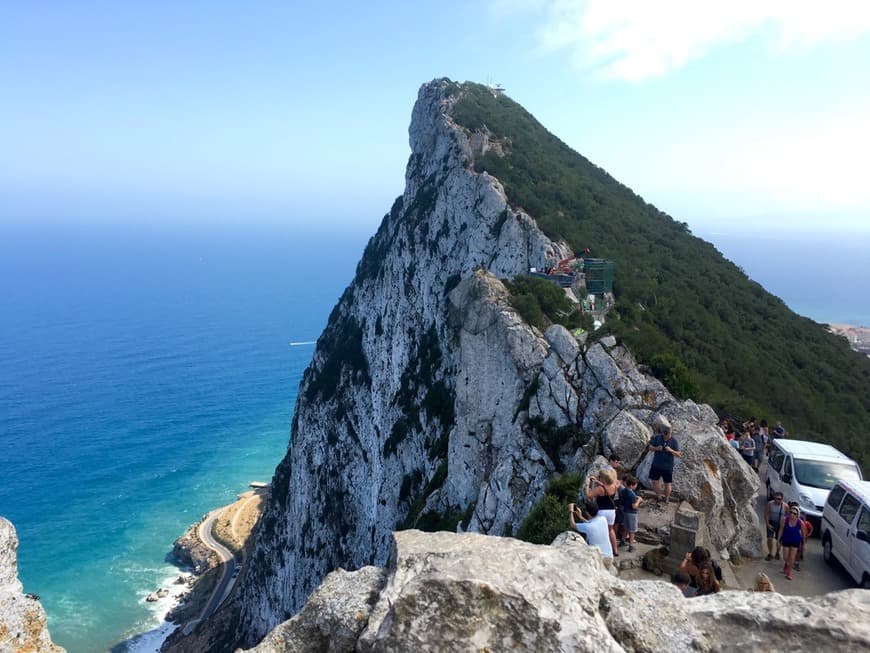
(22, 618)
(471, 592)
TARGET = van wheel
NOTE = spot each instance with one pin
(827, 552)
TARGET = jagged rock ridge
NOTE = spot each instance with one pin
(430, 401)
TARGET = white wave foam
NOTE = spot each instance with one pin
(151, 640)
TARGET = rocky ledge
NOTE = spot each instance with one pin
(448, 592)
(22, 618)
(189, 551)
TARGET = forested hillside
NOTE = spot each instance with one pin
(705, 328)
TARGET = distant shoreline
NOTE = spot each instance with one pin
(858, 336)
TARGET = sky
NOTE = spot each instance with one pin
(724, 115)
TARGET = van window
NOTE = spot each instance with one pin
(776, 459)
(786, 469)
(816, 473)
(836, 496)
(864, 521)
(849, 508)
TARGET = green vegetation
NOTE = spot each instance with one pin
(553, 438)
(342, 342)
(682, 308)
(542, 303)
(435, 483)
(549, 517)
(437, 402)
(433, 521)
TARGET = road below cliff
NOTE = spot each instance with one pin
(228, 568)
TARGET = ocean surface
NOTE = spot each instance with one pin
(822, 275)
(148, 374)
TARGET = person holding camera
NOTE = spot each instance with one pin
(595, 528)
(603, 490)
(666, 449)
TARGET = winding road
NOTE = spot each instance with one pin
(227, 562)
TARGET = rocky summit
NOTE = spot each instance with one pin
(432, 403)
(448, 592)
(22, 618)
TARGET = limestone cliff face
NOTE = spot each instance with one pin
(22, 619)
(430, 401)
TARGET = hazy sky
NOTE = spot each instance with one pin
(734, 114)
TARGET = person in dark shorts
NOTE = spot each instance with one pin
(629, 501)
(666, 449)
(773, 516)
(791, 534)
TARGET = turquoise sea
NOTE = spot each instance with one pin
(149, 373)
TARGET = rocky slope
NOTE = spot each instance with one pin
(189, 551)
(431, 403)
(22, 619)
(447, 592)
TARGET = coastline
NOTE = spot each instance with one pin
(858, 336)
(200, 568)
(178, 612)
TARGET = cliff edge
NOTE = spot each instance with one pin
(447, 592)
(22, 618)
(431, 403)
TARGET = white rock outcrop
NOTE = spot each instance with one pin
(469, 592)
(429, 400)
(22, 618)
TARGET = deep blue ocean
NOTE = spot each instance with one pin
(822, 275)
(147, 376)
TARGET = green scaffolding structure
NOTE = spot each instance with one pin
(599, 275)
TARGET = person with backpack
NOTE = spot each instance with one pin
(774, 512)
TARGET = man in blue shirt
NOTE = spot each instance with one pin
(595, 528)
(666, 449)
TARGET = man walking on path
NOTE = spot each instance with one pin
(666, 449)
(774, 511)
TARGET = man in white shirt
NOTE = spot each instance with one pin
(595, 528)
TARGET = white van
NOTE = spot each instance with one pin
(846, 529)
(806, 471)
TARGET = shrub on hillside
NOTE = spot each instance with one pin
(549, 517)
